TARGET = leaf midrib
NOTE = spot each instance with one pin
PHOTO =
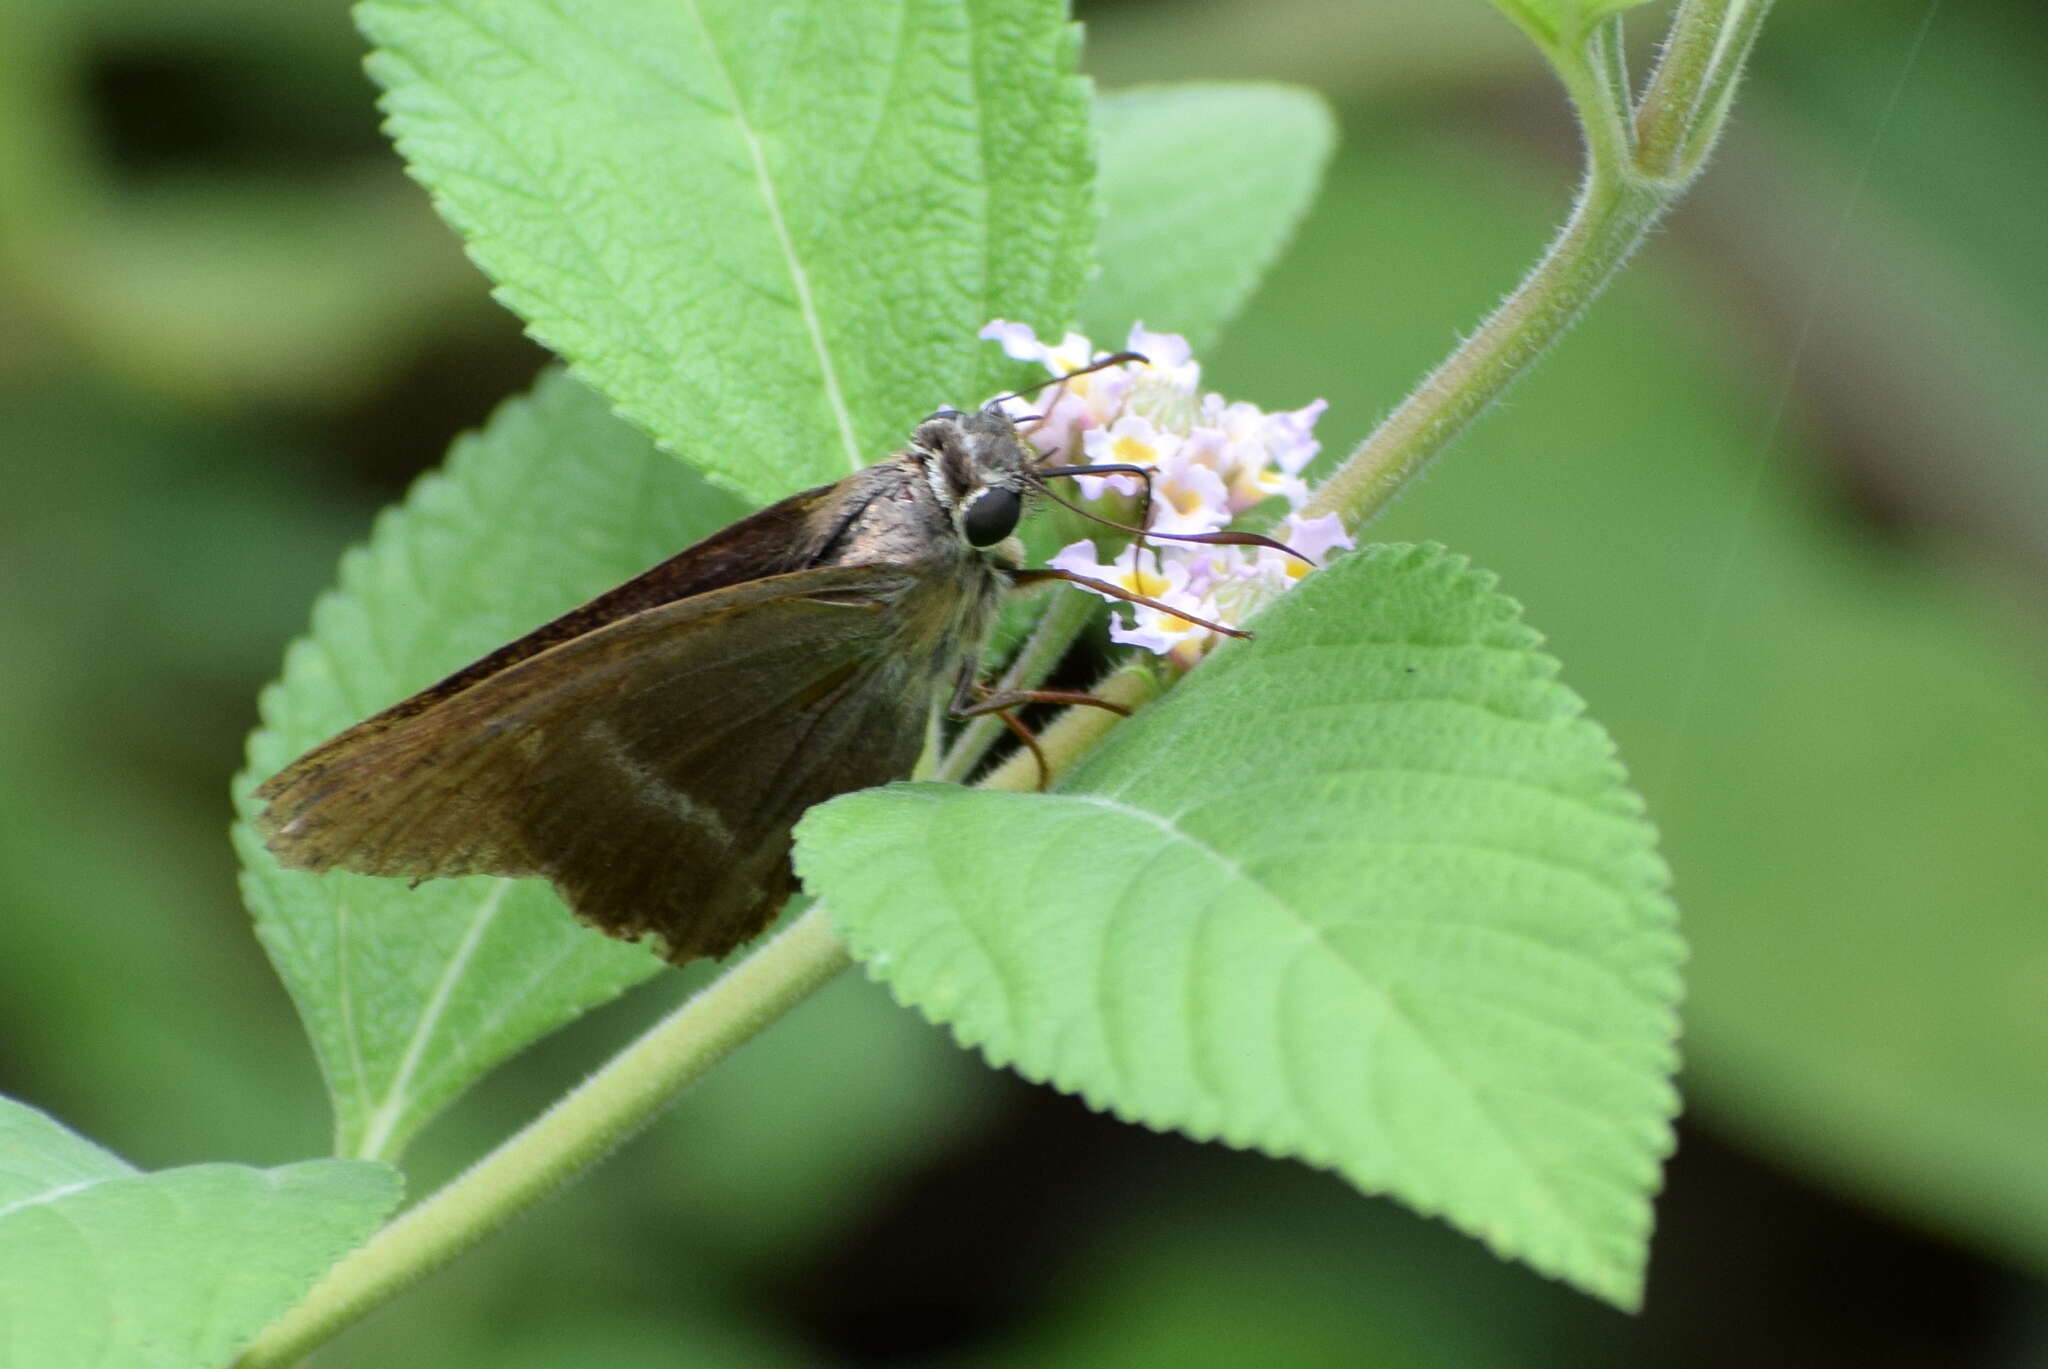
(799, 277)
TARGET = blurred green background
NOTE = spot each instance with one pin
(1781, 504)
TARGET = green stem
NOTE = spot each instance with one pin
(1598, 87)
(1671, 96)
(1610, 219)
(1627, 187)
(1718, 96)
(1685, 104)
(576, 1132)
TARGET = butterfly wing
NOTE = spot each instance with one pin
(651, 767)
(782, 537)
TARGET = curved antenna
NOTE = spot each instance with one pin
(1040, 574)
(1139, 535)
(1101, 364)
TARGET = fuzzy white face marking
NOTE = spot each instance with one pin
(942, 489)
(979, 471)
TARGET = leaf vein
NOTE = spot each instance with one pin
(1540, 1179)
(384, 1122)
(487, 131)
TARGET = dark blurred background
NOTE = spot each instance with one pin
(1781, 503)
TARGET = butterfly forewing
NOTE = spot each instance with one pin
(767, 542)
(651, 768)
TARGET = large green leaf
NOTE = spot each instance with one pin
(1202, 185)
(1369, 891)
(410, 993)
(765, 232)
(105, 1267)
(1841, 727)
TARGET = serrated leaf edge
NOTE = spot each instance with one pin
(1619, 1279)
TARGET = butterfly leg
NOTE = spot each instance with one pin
(996, 700)
(1030, 739)
(973, 699)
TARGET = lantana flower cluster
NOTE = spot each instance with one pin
(1212, 461)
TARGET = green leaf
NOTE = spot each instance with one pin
(1840, 726)
(103, 1265)
(1368, 891)
(410, 994)
(1558, 24)
(768, 234)
(1202, 185)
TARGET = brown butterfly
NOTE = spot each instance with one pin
(650, 751)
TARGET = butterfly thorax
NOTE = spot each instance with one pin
(944, 508)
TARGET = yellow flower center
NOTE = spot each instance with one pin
(1146, 583)
(1133, 451)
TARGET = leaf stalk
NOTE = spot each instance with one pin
(1640, 156)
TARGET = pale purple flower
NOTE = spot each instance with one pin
(1131, 440)
(1169, 351)
(1187, 496)
(1212, 460)
(1143, 570)
(1315, 537)
(1066, 412)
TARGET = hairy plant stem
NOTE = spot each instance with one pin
(581, 1127)
(606, 1109)
(1638, 161)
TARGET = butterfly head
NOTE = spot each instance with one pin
(980, 469)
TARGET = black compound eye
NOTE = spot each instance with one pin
(992, 516)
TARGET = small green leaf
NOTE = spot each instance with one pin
(1368, 891)
(410, 994)
(768, 234)
(1556, 24)
(105, 1267)
(1202, 185)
